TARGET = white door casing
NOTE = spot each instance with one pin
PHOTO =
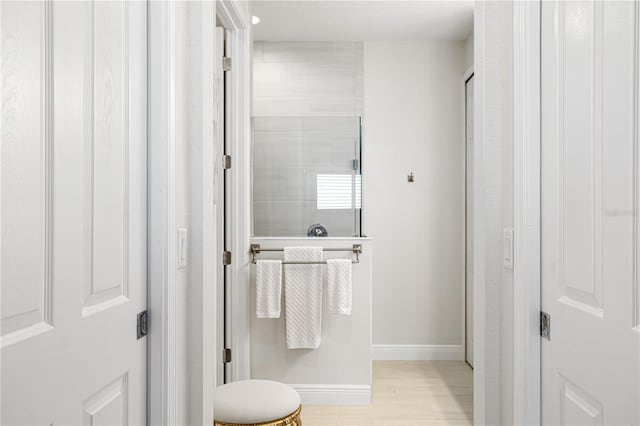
(219, 109)
(591, 364)
(229, 245)
(469, 220)
(73, 212)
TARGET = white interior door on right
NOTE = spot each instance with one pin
(590, 226)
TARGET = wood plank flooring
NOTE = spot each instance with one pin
(407, 393)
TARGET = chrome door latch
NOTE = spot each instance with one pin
(142, 324)
(545, 325)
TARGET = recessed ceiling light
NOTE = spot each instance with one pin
(255, 20)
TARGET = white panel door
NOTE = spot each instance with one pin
(73, 212)
(590, 268)
(469, 221)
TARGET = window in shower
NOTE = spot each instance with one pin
(306, 172)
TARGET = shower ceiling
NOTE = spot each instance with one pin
(365, 20)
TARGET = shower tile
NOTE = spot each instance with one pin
(347, 48)
(268, 76)
(296, 51)
(300, 106)
(283, 184)
(307, 97)
(276, 218)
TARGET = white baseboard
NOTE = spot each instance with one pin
(334, 394)
(418, 353)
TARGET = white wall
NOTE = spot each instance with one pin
(194, 25)
(505, 79)
(468, 51)
(195, 211)
(414, 123)
(183, 203)
(339, 372)
(493, 52)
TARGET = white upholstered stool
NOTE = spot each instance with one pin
(256, 403)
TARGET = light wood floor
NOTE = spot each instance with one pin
(407, 393)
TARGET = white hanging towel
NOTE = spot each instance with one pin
(339, 291)
(303, 297)
(268, 288)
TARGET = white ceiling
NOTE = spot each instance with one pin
(370, 20)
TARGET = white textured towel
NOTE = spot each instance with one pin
(303, 298)
(339, 286)
(268, 288)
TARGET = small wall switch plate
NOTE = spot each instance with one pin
(507, 248)
(182, 248)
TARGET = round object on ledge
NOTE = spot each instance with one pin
(317, 230)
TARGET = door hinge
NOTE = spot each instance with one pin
(226, 162)
(142, 324)
(226, 356)
(226, 64)
(226, 258)
(545, 325)
(356, 165)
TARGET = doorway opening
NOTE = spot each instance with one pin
(309, 85)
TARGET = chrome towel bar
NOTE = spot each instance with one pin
(356, 249)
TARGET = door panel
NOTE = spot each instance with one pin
(26, 170)
(107, 406)
(73, 212)
(106, 165)
(591, 364)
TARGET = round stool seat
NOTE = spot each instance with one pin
(251, 402)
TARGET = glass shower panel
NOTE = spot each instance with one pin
(306, 173)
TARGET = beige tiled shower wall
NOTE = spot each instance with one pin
(308, 97)
(308, 79)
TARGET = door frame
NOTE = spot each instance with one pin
(486, 187)
(491, 346)
(465, 178)
(239, 46)
(162, 221)
(161, 213)
(165, 326)
(527, 205)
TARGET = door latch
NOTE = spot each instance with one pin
(142, 324)
(545, 325)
